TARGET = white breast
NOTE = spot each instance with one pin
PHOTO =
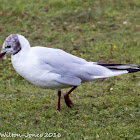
(28, 67)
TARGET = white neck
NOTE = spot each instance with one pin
(25, 49)
(25, 45)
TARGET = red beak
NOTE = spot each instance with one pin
(2, 54)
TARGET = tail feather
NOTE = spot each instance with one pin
(129, 67)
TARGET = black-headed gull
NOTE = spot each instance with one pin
(54, 68)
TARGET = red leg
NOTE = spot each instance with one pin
(59, 97)
(67, 99)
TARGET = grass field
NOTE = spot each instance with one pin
(96, 30)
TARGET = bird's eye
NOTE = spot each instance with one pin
(8, 47)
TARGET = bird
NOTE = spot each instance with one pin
(55, 69)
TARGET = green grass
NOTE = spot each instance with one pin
(86, 28)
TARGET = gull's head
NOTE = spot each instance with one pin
(13, 44)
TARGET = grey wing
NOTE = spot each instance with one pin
(62, 63)
(72, 70)
(69, 80)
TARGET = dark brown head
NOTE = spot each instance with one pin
(11, 45)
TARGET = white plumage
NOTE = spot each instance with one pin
(54, 68)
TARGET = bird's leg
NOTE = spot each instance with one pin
(67, 99)
(59, 97)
